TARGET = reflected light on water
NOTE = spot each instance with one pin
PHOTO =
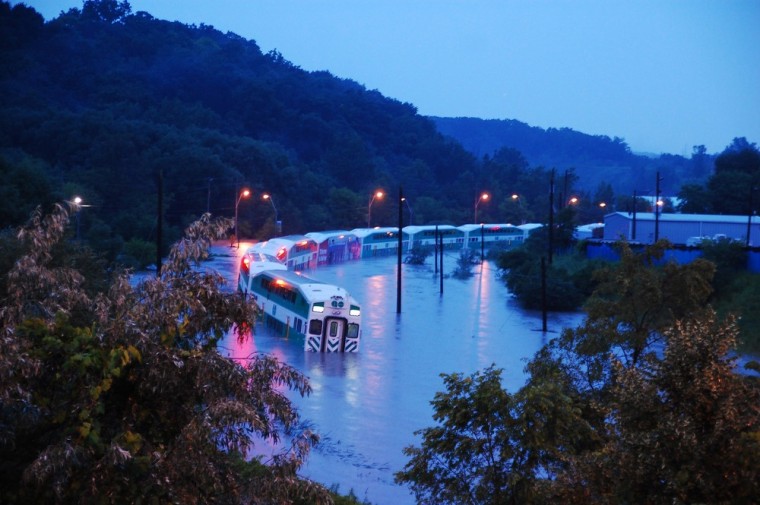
(367, 405)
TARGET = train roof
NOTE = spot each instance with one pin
(321, 236)
(259, 256)
(311, 289)
(412, 229)
(488, 226)
(365, 232)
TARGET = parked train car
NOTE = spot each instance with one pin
(492, 235)
(297, 252)
(380, 241)
(325, 315)
(335, 246)
(421, 236)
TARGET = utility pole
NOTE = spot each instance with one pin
(400, 245)
(657, 209)
(633, 231)
(551, 217)
(159, 220)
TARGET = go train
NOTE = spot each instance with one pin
(327, 316)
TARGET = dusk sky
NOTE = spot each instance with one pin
(664, 75)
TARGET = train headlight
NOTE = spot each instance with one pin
(318, 307)
(354, 311)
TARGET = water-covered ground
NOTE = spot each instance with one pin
(366, 406)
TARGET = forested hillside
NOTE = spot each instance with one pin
(595, 158)
(99, 103)
(112, 106)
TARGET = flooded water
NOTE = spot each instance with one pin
(367, 406)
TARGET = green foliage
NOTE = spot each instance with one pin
(113, 390)
(138, 253)
(568, 279)
(730, 260)
(640, 404)
(728, 190)
(418, 255)
(466, 260)
(26, 184)
(462, 460)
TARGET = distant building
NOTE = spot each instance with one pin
(679, 228)
(586, 231)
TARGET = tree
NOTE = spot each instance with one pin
(695, 199)
(118, 394)
(108, 11)
(489, 446)
(684, 428)
(606, 416)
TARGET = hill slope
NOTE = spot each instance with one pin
(594, 158)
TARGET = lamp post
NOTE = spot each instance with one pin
(483, 197)
(411, 212)
(379, 195)
(277, 224)
(242, 194)
(78, 203)
(657, 205)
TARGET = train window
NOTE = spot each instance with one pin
(315, 327)
(333, 328)
(353, 330)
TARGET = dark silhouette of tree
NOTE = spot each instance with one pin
(110, 390)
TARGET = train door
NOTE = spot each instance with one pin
(335, 335)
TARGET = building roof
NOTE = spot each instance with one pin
(693, 218)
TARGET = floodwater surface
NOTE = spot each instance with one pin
(366, 406)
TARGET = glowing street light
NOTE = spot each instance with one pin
(411, 212)
(574, 200)
(379, 195)
(77, 201)
(277, 224)
(482, 198)
(245, 193)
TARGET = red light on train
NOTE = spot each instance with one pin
(281, 253)
(280, 282)
(303, 242)
(246, 263)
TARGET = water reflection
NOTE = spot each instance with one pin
(366, 406)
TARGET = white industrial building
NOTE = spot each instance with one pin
(680, 228)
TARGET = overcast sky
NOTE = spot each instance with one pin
(664, 75)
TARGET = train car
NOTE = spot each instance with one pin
(327, 316)
(380, 241)
(529, 229)
(252, 264)
(421, 236)
(297, 252)
(502, 236)
(335, 246)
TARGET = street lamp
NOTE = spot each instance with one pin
(243, 194)
(277, 225)
(411, 212)
(379, 195)
(78, 203)
(573, 200)
(483, 197)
